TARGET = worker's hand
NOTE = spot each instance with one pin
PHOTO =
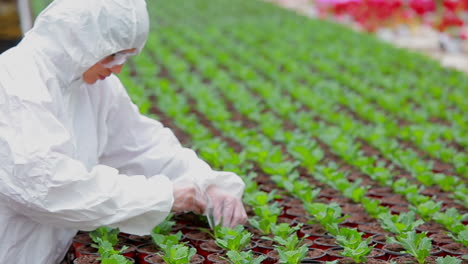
(189, 198)
(226, 209)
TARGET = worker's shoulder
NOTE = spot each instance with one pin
(21, 81)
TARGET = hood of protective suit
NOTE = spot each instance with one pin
(69, 44)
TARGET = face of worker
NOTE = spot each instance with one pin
(100, 71)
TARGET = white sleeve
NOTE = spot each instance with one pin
(140, 145)
(41, 180)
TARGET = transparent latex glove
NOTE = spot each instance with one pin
(224, 208)
(189, 198)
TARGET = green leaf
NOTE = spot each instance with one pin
(106, 234)
(178, 254)
(417, 245)
(284, 230)
(233, 239)
(164, 227)
(373, 207)
(461, 237)
(427, 209)
(358, 254)
(164, 241)
(292, 256)
(448, 260)
(399, 224)
(242, 257)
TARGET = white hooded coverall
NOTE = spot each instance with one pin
(75, 156)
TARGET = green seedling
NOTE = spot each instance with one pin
(417, 245)
(242, 257)
(163, 240)
(461, 237)
(302, 190)
(291, 256)
(177, 253)
(448, 260)
(160, 232)
(427, 209)
(266, 216)
(259, 198)
(108, 255)
(165, 226)
(105, 234)
(284, 230)
(328, 215)
(399, 224)
(451, 219)
(353, 245)
(373, 207)
(233, 239)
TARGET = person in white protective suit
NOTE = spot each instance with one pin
(75, 153)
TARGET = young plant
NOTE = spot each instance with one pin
(302, 190)
(289, 243)
(461, 237)
(177, 253)
(233, 239)
(163, 240)
(378, 173)
(427, 210)
(355, 191)
(160, 231)
(416, 198)
(105, 239)
(353, 245)
(279, 168)
(448, 260)
(399, 224)
(284, 230)
(451, 219)
(460, 193)
(259, 198)
(105, 233)
(291, 256)
(165, 226)
(307, 152)
(404, 187)
(417, 245)
(426, 178)
(242, 257)
(373, 207)
(445, 182)
(266, 216)
(251, 184)
(108, 255)
(328, 215)
(283, 180)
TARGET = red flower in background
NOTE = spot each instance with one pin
(453, 5)
(372, 14)
(422, 7)
(449, 19)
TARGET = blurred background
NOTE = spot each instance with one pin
(438, 28)
(10, 30)
(15, 18)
